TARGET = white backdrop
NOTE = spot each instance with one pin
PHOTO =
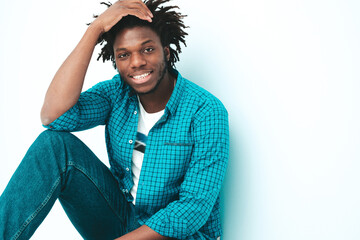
(288, 73)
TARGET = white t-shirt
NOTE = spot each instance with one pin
(145, 123)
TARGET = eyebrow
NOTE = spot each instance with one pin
(142, 44)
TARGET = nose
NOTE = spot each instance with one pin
(137, 60)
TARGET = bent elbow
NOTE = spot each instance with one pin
(46, 117)
(45, 121)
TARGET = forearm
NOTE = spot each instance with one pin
(66, 86)
(143, 233)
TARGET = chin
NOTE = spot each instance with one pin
(143, 91)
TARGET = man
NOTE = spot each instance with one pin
(167, 139)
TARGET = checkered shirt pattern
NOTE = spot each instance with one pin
(185, 158)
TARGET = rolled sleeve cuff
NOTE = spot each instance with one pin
(160, 223)
(66, 122)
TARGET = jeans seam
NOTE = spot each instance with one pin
(97, 187)
(34, 214)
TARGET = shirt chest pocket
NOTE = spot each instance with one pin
(173, 158)
(179, 150)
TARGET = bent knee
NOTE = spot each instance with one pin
(50, 135)
(54, 138)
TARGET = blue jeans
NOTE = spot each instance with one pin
(59, 166)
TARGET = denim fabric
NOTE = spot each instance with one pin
(59, 166)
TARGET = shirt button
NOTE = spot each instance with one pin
(127, 169)
(130, 141)
(135, 112)
(126, 191)
(123, 190)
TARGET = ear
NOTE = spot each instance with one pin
(167, 53)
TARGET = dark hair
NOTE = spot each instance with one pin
(166, 22)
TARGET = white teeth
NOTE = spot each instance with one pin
(141, 76)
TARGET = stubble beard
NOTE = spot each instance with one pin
(162, 72)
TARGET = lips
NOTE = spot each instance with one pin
(137, 77)
(141, 77)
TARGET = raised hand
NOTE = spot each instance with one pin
(120, 9)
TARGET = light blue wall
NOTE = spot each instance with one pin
(288, 73)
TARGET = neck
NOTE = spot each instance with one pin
(157, 100)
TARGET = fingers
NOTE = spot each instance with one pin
(140, 14)
(121, 9)
(146, 8)
(140, 8)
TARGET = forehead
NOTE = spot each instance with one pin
(136, 36)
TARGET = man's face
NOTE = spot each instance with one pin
(140, 58)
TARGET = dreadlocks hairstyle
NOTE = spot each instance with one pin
(167, 23)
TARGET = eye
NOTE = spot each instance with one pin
(148, 50)
(122, 55)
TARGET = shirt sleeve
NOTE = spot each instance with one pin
(203, 179)
(92, 109)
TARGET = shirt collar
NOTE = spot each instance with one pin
(179, 88)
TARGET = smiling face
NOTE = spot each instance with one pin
(141, 59)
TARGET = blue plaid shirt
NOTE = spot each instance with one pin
(185, 159)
